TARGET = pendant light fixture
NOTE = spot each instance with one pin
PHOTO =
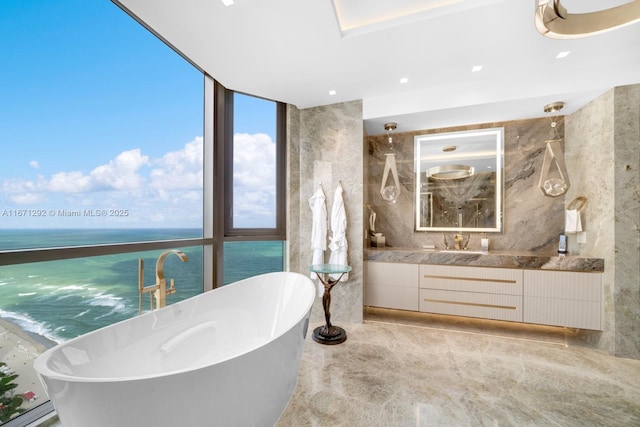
(554, 184)
(391, 192)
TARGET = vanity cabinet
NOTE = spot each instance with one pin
(391, 285)
(489, 293)
(563, 298)
(547, 297)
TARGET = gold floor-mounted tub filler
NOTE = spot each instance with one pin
(159, 290)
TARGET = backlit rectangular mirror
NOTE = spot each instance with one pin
(459, 181)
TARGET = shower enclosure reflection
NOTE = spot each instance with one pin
(459, 181)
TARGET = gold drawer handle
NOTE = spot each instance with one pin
(513, 282)
(505, 307)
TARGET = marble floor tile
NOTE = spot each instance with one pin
(407, 369)
(399, 370)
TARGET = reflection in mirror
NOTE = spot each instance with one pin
(459, 181)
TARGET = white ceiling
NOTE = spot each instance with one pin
(296, 51)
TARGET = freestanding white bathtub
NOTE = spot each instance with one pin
(228, 357)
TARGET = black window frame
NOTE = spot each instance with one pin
(230, 232)
(224, 231)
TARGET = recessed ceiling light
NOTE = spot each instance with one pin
(563, 54)
(227, 2)
(476, 68)
(332, 92)
(404, 80)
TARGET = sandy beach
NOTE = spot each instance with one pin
(18, 350)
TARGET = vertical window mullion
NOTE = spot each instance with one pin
(218, 187)
(208, 190)
(281, 196)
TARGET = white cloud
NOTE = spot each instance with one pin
(179, 170)
(34, 164)
(254, 161)
(120, 173)
(254, 180)
(70, 182)
(26, 198)
(24, 192)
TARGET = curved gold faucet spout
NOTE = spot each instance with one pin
(161, 283)
(160, 262)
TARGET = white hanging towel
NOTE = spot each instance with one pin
(572, 222)
(318, 227)
(338, 243)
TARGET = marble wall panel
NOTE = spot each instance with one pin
(330, 148)
(293, 190)
(603, 158)
(589, 156)
(532, 221)
(627, 220)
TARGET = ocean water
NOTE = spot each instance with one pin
(60, 300)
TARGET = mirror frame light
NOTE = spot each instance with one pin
(450, 139)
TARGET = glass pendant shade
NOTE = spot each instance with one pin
(391, 192)
(554, 186)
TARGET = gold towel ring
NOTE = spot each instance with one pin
(574, 202)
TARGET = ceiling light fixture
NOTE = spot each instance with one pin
(552, 19)
(563, 54)
(476, 68)
(450, 172)
(332, 92)
(404, 80)
(227, 2)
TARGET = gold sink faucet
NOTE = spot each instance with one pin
(457, 240)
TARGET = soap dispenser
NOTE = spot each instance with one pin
(562, 245)
(484, 244)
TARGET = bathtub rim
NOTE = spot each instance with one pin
(42, 369)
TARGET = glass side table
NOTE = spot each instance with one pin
(328, 333)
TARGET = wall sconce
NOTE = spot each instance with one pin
(553, 21)
(390, 193)
(554, 186)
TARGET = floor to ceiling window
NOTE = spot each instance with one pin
(101, 165)
(107, 153)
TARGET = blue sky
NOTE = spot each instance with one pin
(96, 113)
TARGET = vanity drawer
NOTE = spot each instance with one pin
(472, 304)
(391, 297)
(567, 285)
(391, 274)
(563, 298)
(471, 279)
(567, 313)
(391, 285)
